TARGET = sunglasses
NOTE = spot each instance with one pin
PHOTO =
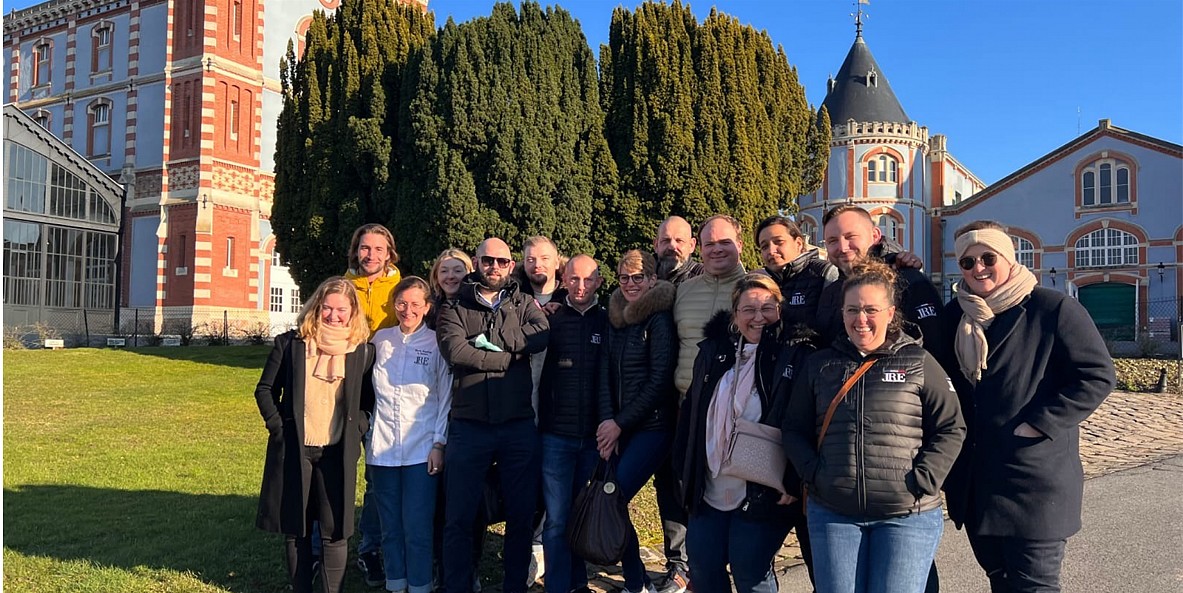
(489, 261)
(988, 259)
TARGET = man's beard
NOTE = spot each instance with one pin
(668, 263)
(489, 284)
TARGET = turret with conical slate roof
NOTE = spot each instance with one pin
(861, 92)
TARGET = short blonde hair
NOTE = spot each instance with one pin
(437, 291)
(755, 280)
(635, 258)
(309, 319)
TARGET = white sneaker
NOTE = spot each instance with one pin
(537, 566)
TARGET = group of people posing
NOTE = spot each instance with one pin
(877, 395)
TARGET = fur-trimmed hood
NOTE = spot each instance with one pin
(659, 298)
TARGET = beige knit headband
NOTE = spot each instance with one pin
(996, 240)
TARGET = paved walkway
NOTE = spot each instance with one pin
(1129, 430)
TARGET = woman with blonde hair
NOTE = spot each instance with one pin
(315, 396)
(447, 273)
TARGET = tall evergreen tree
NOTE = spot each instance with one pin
(507, 136)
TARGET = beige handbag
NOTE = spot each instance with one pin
(754, 450)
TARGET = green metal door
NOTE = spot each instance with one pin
(1112, 307)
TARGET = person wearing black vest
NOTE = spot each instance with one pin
(874, 501)
(569, 413)
(801, 272)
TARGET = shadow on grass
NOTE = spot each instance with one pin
(247, 357)
(211, 537)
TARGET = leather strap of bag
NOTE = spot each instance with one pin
(841, 395)
(838, 399)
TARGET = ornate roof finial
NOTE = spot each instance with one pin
(858, 17)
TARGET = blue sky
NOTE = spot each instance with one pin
(1006, 80)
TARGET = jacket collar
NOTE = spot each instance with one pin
(659, 298)
(468, 290)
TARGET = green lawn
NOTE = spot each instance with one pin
(138, 470)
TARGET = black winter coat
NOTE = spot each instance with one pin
(892, 439)
(568, 393)
(637, 370)
(491, 387)
(1048, 367)
(688, 270)
(801, 282)
(918, 300)
(779, 355)
(283, 501)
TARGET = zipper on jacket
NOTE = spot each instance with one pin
(859, 469)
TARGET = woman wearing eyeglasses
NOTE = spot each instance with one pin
(413, 393)
(1030, 366)
(742, 374)
(890, 427)
(637, 396)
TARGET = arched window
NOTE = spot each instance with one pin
(1106, 182)
(1024, 252)
(890, 227)
(810, 231)
(42, 62)
(882, 169)
(1106, 248)
(100, 129)
(100, 56)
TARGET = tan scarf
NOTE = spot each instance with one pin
(732, 395)
(977, 314)
(330, 346)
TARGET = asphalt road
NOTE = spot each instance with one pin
(1132, 540)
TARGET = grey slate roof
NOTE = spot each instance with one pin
(859, 97)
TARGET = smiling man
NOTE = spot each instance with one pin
(851, 237)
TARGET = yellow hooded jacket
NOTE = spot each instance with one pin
(375, 297)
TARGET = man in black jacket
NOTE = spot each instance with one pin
(673, 247)
(487, 335)
(569, 414)
(851, 237)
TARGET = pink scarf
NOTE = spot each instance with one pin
(732, 395)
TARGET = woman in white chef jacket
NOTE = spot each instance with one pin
(413, 394)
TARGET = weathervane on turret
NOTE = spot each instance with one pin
(858, 16)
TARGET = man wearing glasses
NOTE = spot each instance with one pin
(487, 335)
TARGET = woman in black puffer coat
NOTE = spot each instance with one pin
(745, 366)
(637, 394)
(874, 504)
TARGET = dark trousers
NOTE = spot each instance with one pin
(472, 448)
(1016, 565)
(322, 470)
(673, 515)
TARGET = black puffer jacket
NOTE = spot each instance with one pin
(568, 393)
(892, 440)
(637, 373)
(686, 271)
(491, 387)
(801, 282)
(779, 355)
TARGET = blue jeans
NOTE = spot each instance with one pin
(472, 449)
(404, 498)
(369, 527)
(567, 465)
(641, 454)
(857, 554)
(717, 538)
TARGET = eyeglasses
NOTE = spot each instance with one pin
(869, 311)
(766, 311)
(988, 259)
(405, 305)
(488, 261)
(633, 278)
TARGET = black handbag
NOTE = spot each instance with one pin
(598, 527)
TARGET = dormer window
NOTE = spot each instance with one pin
(872, 78)
(1106, 182)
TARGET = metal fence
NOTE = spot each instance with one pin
(1156, 333)
(149, 327)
